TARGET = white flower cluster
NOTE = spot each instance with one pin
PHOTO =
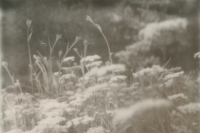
(197, 55)
(51, 107)
(67, 76)
(173, 75)
(76, 100)
(51, 121)
(50, 111)
(105, 69)
(91, 61)
(24, 97)
(50, 124)
(17, 105)
(153, 71)
(69, 59)
(90, 58)
(9, 115)
(169, 83)
(153, 29)
(117, 78)
(98, 129)
(94, 64)
(190, 108)
(176, 96)
(57, 73)
(79, 120)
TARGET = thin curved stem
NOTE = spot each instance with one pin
(109, 52)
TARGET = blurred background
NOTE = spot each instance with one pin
(125, 23)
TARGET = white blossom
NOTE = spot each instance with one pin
(176, 96)
(69, 59)
(174, 75)
(105, 69)
(98, 129)
(190, 108)
(90, 58)
(153, 29)
(153, 71)
(117, 78)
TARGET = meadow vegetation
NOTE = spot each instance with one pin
(92, 96)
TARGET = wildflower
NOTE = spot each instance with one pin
(37, 58)
(50, 124)
(76, 100)
(98, 129)
(117, 78)
(68, 124)
(173, 75)
(86, 119)
(153, 29)
(47, 106)
(153, 71)
(67, 76)
(57, 73)
(4, 64)
(141, 106)
(51, 121)
(190, 108)
(76, 121)
(197, 55)
(104, 70)
(169, 83)
(69, 59)
(94, 64)
(28, 22)
(176, 96)
(90, 58)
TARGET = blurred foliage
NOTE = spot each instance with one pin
(120, 20)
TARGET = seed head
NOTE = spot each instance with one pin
(4, 64)
(77, 38)
(88, 18)
(28, 22)
(17, 83)
(58, 37)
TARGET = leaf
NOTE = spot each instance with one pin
(43, 60)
